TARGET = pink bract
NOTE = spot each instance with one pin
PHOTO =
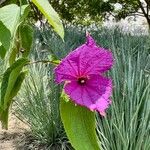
(82, 71)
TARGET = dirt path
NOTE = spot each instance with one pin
(13, 138)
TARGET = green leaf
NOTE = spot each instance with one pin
(79, 124)
(9, 79)
(12, 56)
(5, 2)
(5, 37)
(11, 84)
(51, 15)
(25, 9)
(5, 113)
(2, 51)
(26, 37)
(9, 15)
(10, 18)
(18, 84)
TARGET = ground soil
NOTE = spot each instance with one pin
(15, 137)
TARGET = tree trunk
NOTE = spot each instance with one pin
(146, 14)
(148, 21)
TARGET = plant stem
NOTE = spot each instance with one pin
(44, 61)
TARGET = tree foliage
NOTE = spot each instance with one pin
(84, 11)
(89, 11)
(132, 8)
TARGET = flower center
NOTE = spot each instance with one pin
(82, 80)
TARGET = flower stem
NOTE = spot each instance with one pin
(45, 61)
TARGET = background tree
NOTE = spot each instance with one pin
(132, 8)
(82, 11)
(88, 11)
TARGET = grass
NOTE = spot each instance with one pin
(127, 124)
(38, 106)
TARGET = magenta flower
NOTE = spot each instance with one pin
(82, 72)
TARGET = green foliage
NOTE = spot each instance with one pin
(87, 12)
(37, 104)
(13, 55)
(4, 39)
(79, 124)
(9, 23)
(127, 120)
(6, 2)
(81, 11)
(24, 12)
(128, 7)
(51, 15)
(22, 43)
(9, 19)
(15, 37)
(4, 113)
(2, 51)
(18, 84)
(53, 45)
(11, 83)
(26, 38)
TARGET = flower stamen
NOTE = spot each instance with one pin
(82, 80)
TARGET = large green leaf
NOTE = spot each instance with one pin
(10, 18)
(10, 15)
(79, 124)
(51, 15)
(11, 83)
(9, 79)
(4, 113)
